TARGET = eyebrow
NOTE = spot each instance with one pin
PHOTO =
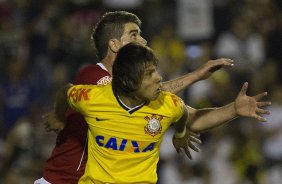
(134, 30)
(148, 70)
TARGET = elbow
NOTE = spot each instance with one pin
(196, 129)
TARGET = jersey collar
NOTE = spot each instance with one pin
(102, 66)
(129, 109)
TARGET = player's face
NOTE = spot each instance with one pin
(151, 84)
(132, 34)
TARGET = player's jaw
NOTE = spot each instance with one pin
(157, 92)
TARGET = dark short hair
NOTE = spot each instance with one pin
(111, 25)
(129, 67)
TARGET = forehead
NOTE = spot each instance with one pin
(149, 67)
(131, 27)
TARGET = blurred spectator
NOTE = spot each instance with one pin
(247, 154)
(171, 52)
(195, 20)
(218, 160)
(21, 156)
(122, 4)
(242, 45)
(154, 14)
(18, 97)
(266, 77)
(177, 169)
(272, 133)
(274, 44)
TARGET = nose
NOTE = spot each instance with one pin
(159, 78)
(143, 41)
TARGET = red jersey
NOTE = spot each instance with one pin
(69, 156)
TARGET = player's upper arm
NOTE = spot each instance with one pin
(191, 114)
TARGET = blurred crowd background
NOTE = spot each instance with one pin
(44, 43)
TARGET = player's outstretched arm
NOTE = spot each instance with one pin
(203, 72)
(54, 120)
(243, 106)
(207, 118)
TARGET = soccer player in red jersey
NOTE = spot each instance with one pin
(114, 30)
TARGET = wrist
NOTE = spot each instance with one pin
(197, 75)
(180, 134)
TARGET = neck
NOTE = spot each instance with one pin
(108, 61)
(131, 101)
(108, 65)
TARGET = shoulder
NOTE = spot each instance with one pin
(169, 105)
(169, 100)
(85, 93)
(92, 74)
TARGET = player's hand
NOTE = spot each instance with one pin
(211, 66)
(251, 106)
(186, 142)
(52, 123)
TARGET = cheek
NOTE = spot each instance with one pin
(149, 90)
(125, 42)
(146, 89)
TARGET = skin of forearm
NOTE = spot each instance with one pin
(61, 103)
(178, 84)
(208, 118)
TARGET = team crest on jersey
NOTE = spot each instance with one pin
(104, 80)
(154, 126)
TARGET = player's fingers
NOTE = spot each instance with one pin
(175, 145)
(262, 111)
(223, 62)
(195, 139)
(244, 89)
(193, 147)
(259, 118)
(177, 150)
(259, 96)
(187, 152)
(227, 62)
(262, 104)
(194, 134)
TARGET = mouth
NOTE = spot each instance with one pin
(159, 89)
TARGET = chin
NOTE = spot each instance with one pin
(155, 97)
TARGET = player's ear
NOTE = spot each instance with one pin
(114, 45)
